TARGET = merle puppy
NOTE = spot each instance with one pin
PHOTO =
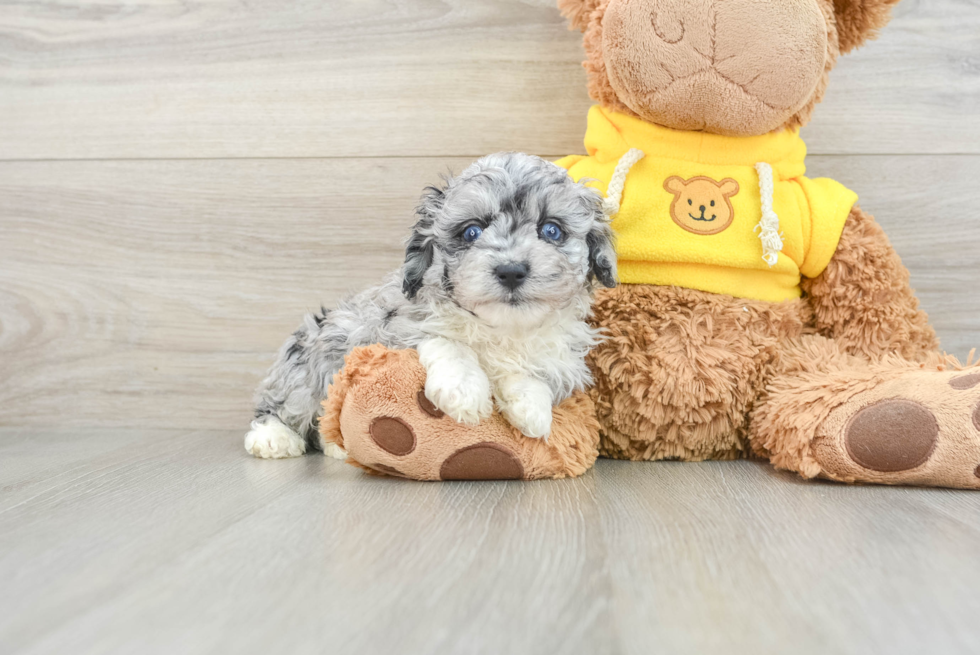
(494, 294)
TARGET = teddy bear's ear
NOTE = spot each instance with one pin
(577, 12)
(860, 20)
(728, 187)
(674, 184)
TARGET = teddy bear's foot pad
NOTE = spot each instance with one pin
(922, 428)
(482, 461)
(378, 412)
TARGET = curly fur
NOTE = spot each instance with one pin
(691, 375)
(705, 357)
(475, 335)
(863, 298)
(732, 377)
(578, 12)
(859, 20)
(681, 369)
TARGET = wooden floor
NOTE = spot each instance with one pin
(164, 541)
(180, 181)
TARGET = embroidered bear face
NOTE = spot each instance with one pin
(701, 205)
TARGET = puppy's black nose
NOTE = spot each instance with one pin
(702, 209)
(511, 275)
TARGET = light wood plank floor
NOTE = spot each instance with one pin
(148, 540)
(180, 181)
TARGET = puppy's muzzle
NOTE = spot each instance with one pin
(511, 275)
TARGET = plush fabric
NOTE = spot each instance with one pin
(739, 67)
(661, 243)
(692, 375)
(844, 382)
(682, 368)
(863, 299)
(836, 416)
(838, 376)
(860, 20)
(376, 411)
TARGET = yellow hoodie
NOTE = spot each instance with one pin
(731, 215)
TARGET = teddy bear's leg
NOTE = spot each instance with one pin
(376, 409)
(830, 414)
(681, 369)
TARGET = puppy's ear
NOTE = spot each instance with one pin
(577, 12)
(602, 251)
(860, 20)
(420, 249)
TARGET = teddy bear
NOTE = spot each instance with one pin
(760, 313)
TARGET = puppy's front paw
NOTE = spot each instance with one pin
(462, 394)
(529, 415)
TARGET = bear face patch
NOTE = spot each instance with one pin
(701, 205)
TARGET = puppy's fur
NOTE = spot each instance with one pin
(478, 339)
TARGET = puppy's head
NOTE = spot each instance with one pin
(509, 239)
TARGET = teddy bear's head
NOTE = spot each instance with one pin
(734, 67)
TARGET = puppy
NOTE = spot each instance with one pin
(494, 294)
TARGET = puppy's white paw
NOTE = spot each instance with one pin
(529, 415)
(335, 451)
(463, 394)
(526, 404)
(273, 440)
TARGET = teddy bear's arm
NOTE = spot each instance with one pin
(863, 299)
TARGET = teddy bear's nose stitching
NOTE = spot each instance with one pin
(702, 209)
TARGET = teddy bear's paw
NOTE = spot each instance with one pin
(379, 412)
(922, 428)
(412, 438)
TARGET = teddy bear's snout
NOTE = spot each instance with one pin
(708, 65)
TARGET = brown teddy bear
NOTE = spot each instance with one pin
(377, 411)
(761, 312)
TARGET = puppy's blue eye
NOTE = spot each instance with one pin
(551, 232)
(472, 233)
